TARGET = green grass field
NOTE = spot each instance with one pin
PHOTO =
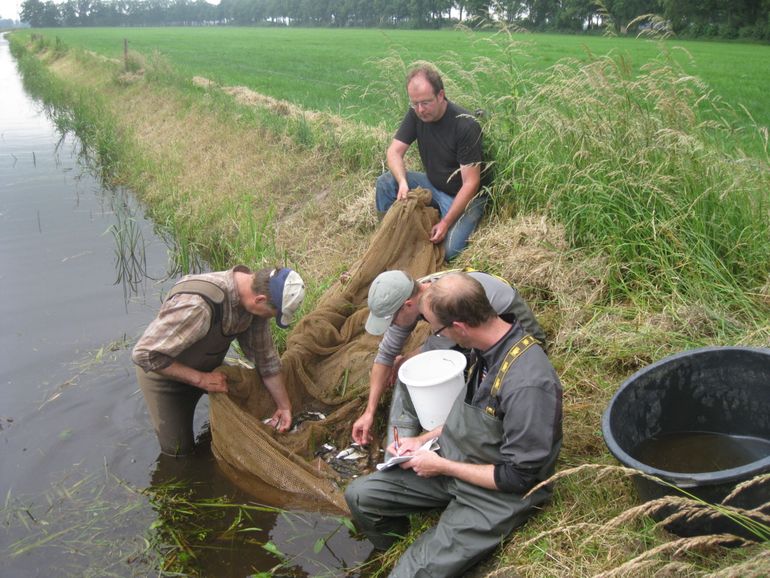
(311, 67)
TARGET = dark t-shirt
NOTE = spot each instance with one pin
(454, 140)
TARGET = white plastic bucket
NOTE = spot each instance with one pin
(434, 379)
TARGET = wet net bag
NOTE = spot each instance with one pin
(326, 370)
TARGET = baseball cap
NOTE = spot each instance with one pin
(287, 290)
(387, 294)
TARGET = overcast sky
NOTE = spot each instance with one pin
(10, 9)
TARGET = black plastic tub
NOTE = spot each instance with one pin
(714, 402)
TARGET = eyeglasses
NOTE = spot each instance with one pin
(437, 333)
(422, 103)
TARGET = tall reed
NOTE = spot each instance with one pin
(130, 253)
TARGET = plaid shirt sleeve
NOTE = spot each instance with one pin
(182, 320)
(257, 345)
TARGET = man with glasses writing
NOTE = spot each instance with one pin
(450, 146)
(501, 438)
(395, 307)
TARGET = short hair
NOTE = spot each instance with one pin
(260, 281)
(430, 74)
(460, 297)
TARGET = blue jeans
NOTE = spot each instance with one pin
(456, 239)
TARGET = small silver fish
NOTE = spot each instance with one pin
(354, 455)
(346, 452)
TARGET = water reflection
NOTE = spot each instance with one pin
(237, 535)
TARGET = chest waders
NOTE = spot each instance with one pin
(172, 403)
(475, 520)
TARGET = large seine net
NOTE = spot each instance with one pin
(326, 366)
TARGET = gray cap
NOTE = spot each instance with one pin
(387, 294)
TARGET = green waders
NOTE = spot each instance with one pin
(172, 408)
(402, 413)
(172, 403)
(474, 521)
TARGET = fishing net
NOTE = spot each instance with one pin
(326, 369)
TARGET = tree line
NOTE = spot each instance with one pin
(748, 19)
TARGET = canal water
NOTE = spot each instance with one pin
(84, 489)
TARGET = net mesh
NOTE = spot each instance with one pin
(326, 369)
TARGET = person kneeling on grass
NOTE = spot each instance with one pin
(449, 139)
(501, 438)
(395, 304)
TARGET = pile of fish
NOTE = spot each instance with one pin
(349, 462)
(304, 416)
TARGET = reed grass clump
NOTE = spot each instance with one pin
(625, 162)
(134, 61)
(637, 164)
(130, 253)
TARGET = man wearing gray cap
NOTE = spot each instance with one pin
(200, 317)
(394, 310)
(501, 438)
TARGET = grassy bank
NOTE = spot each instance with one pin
(621, 214)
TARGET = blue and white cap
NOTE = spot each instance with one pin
(287, 291)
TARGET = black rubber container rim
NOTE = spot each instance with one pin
(681, 479)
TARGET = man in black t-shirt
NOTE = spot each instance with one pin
(449, 141)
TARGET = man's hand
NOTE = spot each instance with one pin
(362, 429)
(406, 446)
(471, 177)
(403, 189)
(426, 464)
(438, 232)
(281, 420)
(213, 382)
(395, 159)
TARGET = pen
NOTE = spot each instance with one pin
(395, 437)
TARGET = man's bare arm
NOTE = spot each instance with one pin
(395, 158)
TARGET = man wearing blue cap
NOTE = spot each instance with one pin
(189, 338)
